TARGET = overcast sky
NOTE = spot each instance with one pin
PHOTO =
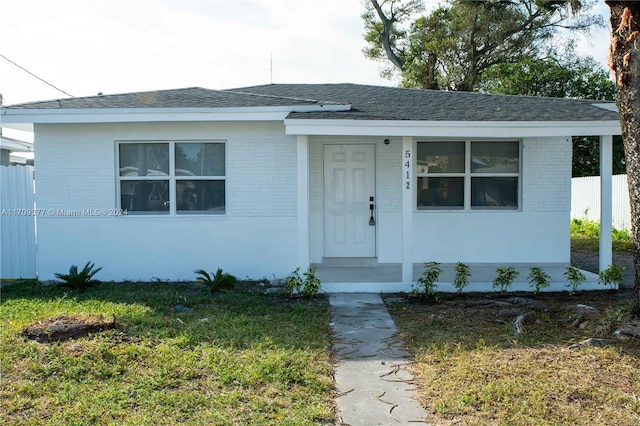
(115, 46)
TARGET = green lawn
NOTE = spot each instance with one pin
(234, 358)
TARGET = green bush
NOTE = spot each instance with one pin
(611, 276)
(461, 279)
(585, 234)
(220, 281)
(427, 280)
(307, 287)
(575, 278)
(79, 280)
(506, 275)
(538, 278)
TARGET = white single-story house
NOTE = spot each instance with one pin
(363, 182)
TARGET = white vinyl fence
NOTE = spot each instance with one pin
(585, 200)
(17, 223)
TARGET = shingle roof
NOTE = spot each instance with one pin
(368, 103)
(392, 103)
(193, 97)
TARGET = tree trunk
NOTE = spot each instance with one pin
(625, 62)
(430, 81)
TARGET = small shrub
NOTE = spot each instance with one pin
(217, 282)
(506, 275)
(575, 278)
(311, 285)
(461, 279)
(307, 287)
(79, 280)
(612, 276)
(427, 280)
(538, 279)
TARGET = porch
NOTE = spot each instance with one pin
(349, 277)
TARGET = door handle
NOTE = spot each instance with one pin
(372, 219)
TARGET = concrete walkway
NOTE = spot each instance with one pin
(372, 376)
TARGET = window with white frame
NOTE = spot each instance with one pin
(468, 175)
(182, 177)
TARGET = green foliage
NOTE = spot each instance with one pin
(567, 76)
(217, 282)
(575, 278)
(585, 234)
(428, 279)
(612, 276)
(586, 156)
(452, 46)
(307, 287)
(506, 275)
(79, 280)
(461, 279)
(538, 278)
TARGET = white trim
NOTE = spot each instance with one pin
(407, 209)
(304, 247)
(606, 201)
(132, 115)
(465, 129)
(15, 145)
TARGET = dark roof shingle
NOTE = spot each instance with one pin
(392, 103)
(367, 103)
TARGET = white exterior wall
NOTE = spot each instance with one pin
(256, 237)
(538, 233)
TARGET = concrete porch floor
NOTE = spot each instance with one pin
(387, 278)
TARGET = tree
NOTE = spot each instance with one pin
(564, 75)
(625, 62)
(456, 43)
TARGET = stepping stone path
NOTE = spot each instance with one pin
(374, 383)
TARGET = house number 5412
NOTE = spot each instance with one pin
(407, 169)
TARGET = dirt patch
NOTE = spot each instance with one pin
(602, 313)
(66, 327)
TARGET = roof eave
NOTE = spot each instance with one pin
(480, 129)
(130, 115)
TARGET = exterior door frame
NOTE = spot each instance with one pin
(371, 251)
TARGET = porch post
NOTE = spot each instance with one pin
(606, 200)
(303, 201)
(407, 209)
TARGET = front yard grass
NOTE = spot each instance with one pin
(473, 370)
(232, 358)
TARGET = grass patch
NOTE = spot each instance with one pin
(233, 358)
(472, 370)
(585, 235)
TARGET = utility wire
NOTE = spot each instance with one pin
(41, 79)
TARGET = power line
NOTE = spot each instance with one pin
(41, 79)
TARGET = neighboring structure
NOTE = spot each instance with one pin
(261, 180)
(9, 145)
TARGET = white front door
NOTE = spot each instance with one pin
(349, 191)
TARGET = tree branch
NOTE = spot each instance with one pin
(385, 36)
